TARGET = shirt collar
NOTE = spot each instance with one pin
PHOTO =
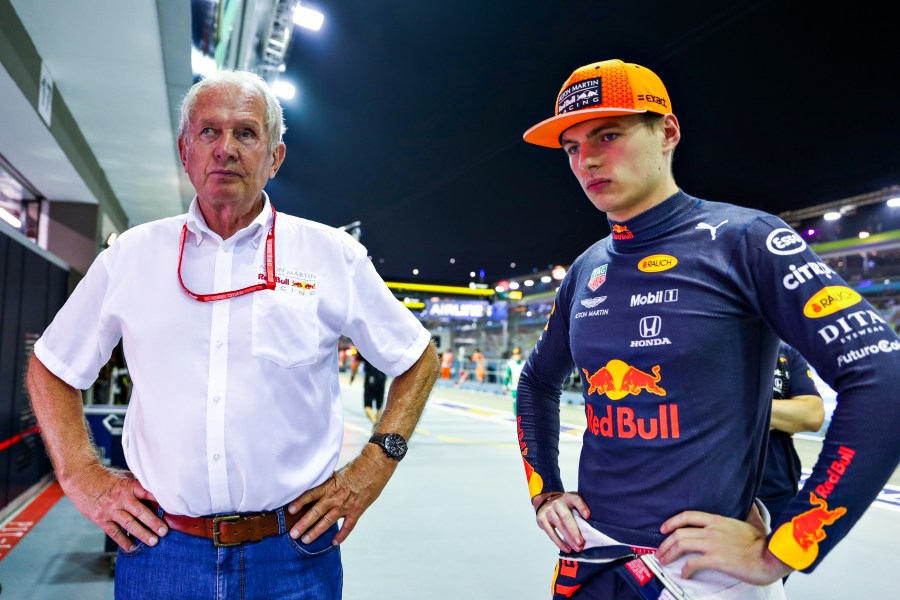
(196, 224)
(653, 223)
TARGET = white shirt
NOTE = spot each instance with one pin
(236, 404)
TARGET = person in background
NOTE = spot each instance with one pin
(229, 315)
(480, 363)
(511, 376)
(373, 388)
(446, 364)
(677, 371)
(796, 407)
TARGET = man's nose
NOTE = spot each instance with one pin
(588, 157)
(226, 147)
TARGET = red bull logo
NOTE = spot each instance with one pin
(616, 380)
(621, 232)
(797, 542)
(303, 285)
(835, 472)
(523, 448)
(619, 379)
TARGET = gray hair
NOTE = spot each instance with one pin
(224, 78)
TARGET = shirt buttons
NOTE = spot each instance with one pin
(216, 399)
(218, 343)
(215, 457)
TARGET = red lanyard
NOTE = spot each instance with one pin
(270, 269)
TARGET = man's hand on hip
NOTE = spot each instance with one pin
(111, 498)
(347, 494)
(736, 548)
(555, 517)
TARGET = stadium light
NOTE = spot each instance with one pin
(894, 202)
(832, 216)
(558, 272)
(863, 235)
(283, 89)
(546, 279)
(529, 282)
(513, 285)
(308, 18)
(201, 64)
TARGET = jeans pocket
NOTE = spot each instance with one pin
(136, 551)
(318, 547)
(285, 328)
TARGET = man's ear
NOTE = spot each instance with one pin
(182, 152)
(277, 159)
(671, 132)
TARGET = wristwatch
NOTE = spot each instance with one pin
(393, 444)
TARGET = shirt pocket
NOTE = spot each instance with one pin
(285, 328)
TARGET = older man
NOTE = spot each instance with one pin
(229, 317)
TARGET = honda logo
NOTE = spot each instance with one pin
(650, 326)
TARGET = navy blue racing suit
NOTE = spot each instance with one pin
(673, 322)
(782, 470)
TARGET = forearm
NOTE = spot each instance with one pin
(800, 413)
(60, 415)
(537, 422)
(408, 394)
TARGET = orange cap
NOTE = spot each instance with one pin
(602, 89)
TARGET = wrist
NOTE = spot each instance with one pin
(539, 501)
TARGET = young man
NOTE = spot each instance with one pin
(234, 427)
(677, 372)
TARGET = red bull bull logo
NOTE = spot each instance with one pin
(797, 542)
(619, 379)
(621, 232)
(616, 380)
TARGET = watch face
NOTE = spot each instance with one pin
(395, 445)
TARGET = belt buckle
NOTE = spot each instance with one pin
(217, 532)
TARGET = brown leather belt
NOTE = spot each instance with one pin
(232, 530)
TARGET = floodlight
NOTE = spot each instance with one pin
(283, 89)
(308, 18)
(832, 216)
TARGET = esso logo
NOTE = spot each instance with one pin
(785, 241)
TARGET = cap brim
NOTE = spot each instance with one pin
(547, 132)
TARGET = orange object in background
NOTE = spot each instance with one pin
(446, 363)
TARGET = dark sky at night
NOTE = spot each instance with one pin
(409, 118)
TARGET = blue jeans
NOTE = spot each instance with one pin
(187, 567)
